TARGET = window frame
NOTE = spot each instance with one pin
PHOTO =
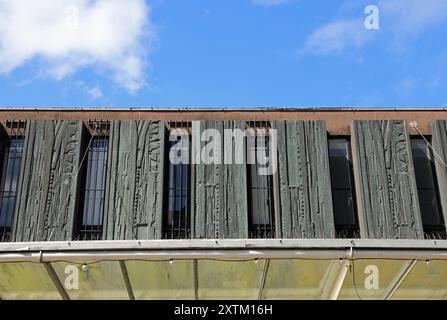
(96, 131)
(430, 231)
(343, 231)
(265, 230)
(13, 130)
(185, 226)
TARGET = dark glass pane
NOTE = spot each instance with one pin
(94, 190)
(426, 184)
(342, 188)
(340, 172)
(422, 164)
(428, 202)
(261, 206)
(344, 207)
(4, 207)
(10, 175)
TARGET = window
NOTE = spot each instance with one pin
(259, 187)
(432, 219)
(177, 220)
(11, 163)
(342, 179)
(90, 224)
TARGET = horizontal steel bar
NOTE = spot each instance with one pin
(26, 257)
(217, 254)
(222, 244)
(222, 109)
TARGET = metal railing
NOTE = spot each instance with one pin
(177, 213)
(259, 187)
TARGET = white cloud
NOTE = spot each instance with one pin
(94, 92)
(66, 35)
(337, 36)
(269, 3)
(399, 18)
(409, 17)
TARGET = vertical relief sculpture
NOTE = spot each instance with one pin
(48, 187)
(387, 191)
(304, 180)
(220, 189)
(134, 187)
(439, 142)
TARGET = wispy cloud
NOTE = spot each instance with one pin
(94, 92)
(401, 19)
(337, 36)
(268, 3)
(411, 17)
(113, 36)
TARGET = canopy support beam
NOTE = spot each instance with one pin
(334, 281)
(56, 281)
(195, 268)
(263, 277)
(126, 279)
(399, 279)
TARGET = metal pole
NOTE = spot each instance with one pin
(126, 280)
(222, 254)
(334, 281)
(263, 277)
(195, 267)
(399, 279)
(57, 283)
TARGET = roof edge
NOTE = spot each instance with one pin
(220, 109)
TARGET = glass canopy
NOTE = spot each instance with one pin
(225, 269)
(215, 279)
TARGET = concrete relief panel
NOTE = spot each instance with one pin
(220, 189)
(134, 187)
(439, 142)
(386, 184)
(305, 198)
(48, 187)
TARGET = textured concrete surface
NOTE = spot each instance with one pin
(386, 183)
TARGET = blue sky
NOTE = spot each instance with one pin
(216, 53)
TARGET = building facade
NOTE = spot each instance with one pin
(334, 181)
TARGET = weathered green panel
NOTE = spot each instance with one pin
(439, 142)
(387, 195)
(48, 187)
(220, 192)
(134, 187)
(304, 180)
